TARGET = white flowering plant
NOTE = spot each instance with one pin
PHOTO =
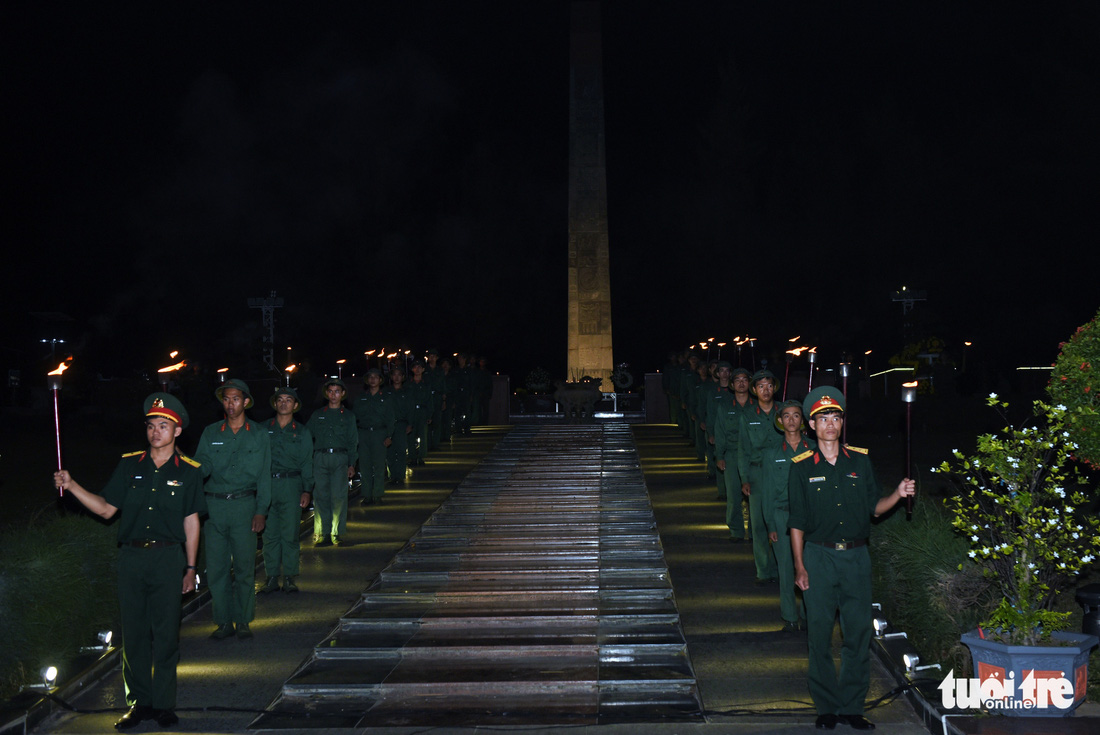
(1023, 505)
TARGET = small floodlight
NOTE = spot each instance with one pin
(104, 637)
(880, 625)
(910, 660)
(49, 676)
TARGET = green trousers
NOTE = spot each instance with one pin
(735, 501)
(231, 559)
(281, 542)
(839, 580)
(149, 584)
(397, 455)
(330, 495)
(784, 562)
(372, 463)
(418, 439)
(761, 548)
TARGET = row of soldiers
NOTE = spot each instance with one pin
(251, 478)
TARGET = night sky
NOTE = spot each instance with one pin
(397, 172)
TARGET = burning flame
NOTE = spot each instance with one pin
(368, 354)
(340, 362)
(795, 339)
(909, 385)
(60, 369)
(173, 354)
(291, 368)
(223, 370)
(813, 350)
(173, 368)
(797, 351)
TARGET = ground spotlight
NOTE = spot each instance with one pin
(47, 677)
(880, 625)
(910, 660)
(104, 637)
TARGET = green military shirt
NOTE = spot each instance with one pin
(401, 401)
(727, 425)
(419, 398)
(334, 428)
(720, 400)
(757, 431)
(291, 449)
(775, 471)
(375, 412)
(153, 501)
(704, 392)
(833, 503)
(237, 461)
(688, 383)
(436, 380)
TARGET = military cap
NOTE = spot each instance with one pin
(762, 375)
(280, 391)
(335, 381)
(370, 372)
(433, 351)
(789, 403)
(740, 371)
(416, 362)
(825, 398)
(166, 405)
(239, 385)
(724, 364)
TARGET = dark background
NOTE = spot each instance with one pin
(398, 173)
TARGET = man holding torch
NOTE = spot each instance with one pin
(236, 460)
(833, 495)
(159, 493)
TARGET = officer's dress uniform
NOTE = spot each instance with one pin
(832, 505)
(775, 470)
(757, 432)
(374, 417)
(420, 408)
(291, 475)
(152, 503)
(727, 427)
(397, 454)
(237, 466)
(335, 448)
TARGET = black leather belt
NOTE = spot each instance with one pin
(148, 543)
(282, 475)
(232, 496)
(842, 545)
(330, 451)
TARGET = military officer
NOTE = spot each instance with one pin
(159, 494)
(291, 490)
(335, 452)
(236, 461)
(420, 413)
(833, 494)
(771, 492)
(374, 417)
(727, 424)
(397, 452)
(757, 433)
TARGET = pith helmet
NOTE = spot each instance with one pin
(239, 385)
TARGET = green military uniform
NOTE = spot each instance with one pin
(237, 468)
(672, 388)
(447, 410)
(775, 466)
(374, 416)
(704, 391)
(722, 400)
(689, 380)
(435, 378)
(397, 454)
(757, 432)
(727, 425)
(335, 448)
(832, 504)
(420, 410)
(462, 392)
(152, 503)
(291, 475)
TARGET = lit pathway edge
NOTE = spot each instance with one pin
(537, 594)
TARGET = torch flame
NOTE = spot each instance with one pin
(173, 353)
(795, 339)
(173, 368)
(291, 368)
(909, 385)
(797, 351)
(223, 370)
(60, 369)
(813, 350)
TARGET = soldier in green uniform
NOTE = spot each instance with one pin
(397, 453)
(159, 494)
(462, 379)
(236, 462)
(757, 432)
(689, 378)
(833, 494)
(668, 385)
(772, 494)
(374, 417)
(447, 408)
(707, 387)
(420, 413)
(335, 451)
(291, 488)
(433, 373)
(720, 400)
(727, 425)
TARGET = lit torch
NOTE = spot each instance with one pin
(289, 370)
(844, 390)
(909, 396)
(791, 354)
(221, 374)
(164, 372)
(54, 381)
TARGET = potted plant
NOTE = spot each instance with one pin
(1021, 503)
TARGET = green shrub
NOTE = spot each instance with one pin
(1075, 383)
(922, 590)
(58, 588)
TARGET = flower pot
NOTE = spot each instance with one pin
(1046, 666)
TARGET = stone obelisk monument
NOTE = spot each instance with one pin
(589, 273)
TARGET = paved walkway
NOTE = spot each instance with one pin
(751, 677)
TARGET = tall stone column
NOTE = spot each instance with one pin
(589, 273)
